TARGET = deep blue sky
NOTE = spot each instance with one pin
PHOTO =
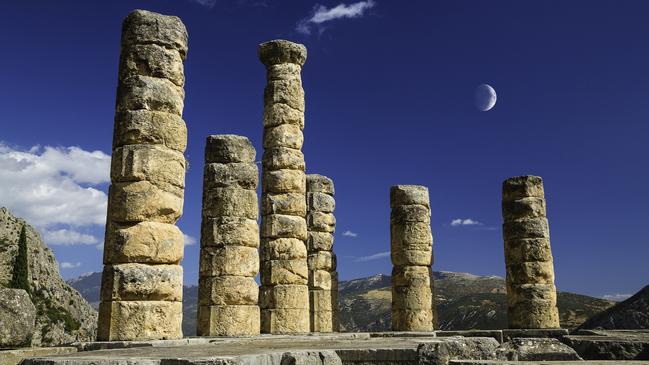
(389, 101)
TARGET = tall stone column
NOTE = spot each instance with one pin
(323, 278)
(284, 294)
(412, 255)
(531, 294)
(229, 260)
(141, 293)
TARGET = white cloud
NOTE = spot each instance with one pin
(376, 256)
(189, 240)
(66, 237)
(617, 297)
(321, 14)
(464, 222)
(349, 233)
(54, 185)
(69, 265)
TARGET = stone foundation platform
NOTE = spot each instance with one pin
(386, 348)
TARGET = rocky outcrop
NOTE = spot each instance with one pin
(632, 313)
(17, 316)
(62, 314)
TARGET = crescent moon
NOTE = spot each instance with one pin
(485, 97)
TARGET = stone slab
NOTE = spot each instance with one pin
(16, 356)
(609, 347)
(497, 334)
(536, 333)
(263, 349)
(536, 349)
(507, 362)
(404, 334)
(199, 340)
(378, 356)
(642, 334)
(381, 348)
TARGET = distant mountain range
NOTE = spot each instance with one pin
(632, 313)
(464, 301)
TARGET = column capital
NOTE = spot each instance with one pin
(281, 51)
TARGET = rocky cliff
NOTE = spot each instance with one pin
(63, 315)
(632, 313)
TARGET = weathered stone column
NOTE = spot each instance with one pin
(531, 294)
(141, 294)
(323, 278)
(229, 260)
(412, 255)
(284, 294)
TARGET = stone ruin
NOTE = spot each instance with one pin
(531, 294)
(141, 291)
(284, 292)
(411, 247)
(141, 294)
(229, 260)
(323, 278)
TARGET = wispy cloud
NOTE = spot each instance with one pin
(321, 14)
(69, 265)
(189, 240)
(253, 3)
(617, 297)
(349, 233)
(54, 185)
(376, 256)
(66, 237)
(207, 3)
(464, 222)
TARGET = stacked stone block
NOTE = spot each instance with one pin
(284, 294)
(323, 278)
(531, 294)
(412, 255)
(229, 260)
(141, 294)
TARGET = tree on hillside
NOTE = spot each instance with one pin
(20, 278)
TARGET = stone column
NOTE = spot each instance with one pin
(531, 294)
(412, 255)
(284, 294)
(141, 293)
(229, 260)
(323, 278)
